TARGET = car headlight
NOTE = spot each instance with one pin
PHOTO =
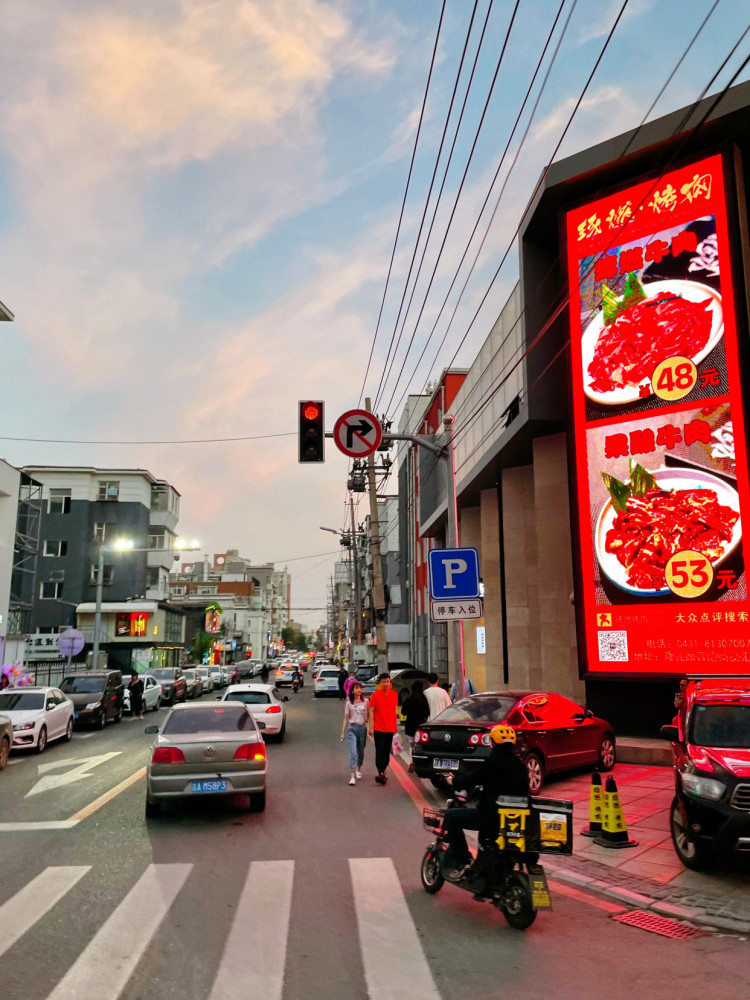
(91, 705)
(20, 726)
(706, 788)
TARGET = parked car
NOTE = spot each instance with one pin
(206, 749)
(96, 694)
(263, 703)
(402, 679)
(194, 683)
(6, 740)
(284, 673)
(205, 675)
(173, 684)
(554, 734)
(367, 675)
(326, 682)
(249, 668)
(217, 675)
(37, 715)
(151, 693)
(710, 814)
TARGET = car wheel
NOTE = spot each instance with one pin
(183, 699)
(535, 769)
(153, 809)
(41, 743)
(103, 718)
(607, 754)
(690, 853)
(281, 733)
(4, 752)
(258, 801)
(69, 731)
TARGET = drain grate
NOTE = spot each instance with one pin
(658, 925)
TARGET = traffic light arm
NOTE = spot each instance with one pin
(437, 449)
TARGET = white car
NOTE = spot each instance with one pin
(326, 682)
(263, 703)
(151, 693)
(38, 715)
(284, 673)
(205, 675)
(218, 675)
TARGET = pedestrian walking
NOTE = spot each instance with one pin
(354, 730)
(349, 682)
(342, 678)
(264, 673)
(415, 711)
(469, 688)
(382, 724)
(437, 698)
(136, 696)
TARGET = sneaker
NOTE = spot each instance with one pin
(359, 774)
(380, 779)
(352, 781)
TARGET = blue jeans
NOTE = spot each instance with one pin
(356, 737)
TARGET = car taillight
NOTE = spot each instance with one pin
(421, 737)
(250, 751)
(273, 708)
(168, 755)
(479, 739)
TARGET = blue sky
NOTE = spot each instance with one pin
(198, 202)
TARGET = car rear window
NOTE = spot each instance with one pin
(249, 697)
(82, 685)
(720, 726)
(21, 701)
(221, 719)
(328, 673)
(477, 710)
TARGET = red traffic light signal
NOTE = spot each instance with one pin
(311, 431)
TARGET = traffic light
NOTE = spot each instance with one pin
(311, 431)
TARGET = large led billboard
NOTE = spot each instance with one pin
(660, 455)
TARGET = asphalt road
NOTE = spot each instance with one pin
(317, 898)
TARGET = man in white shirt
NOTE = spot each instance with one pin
(437, 698)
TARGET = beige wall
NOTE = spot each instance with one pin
(470, 533)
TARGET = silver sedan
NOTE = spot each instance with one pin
(207, 750)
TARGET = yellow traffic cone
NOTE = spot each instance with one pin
(614, 829)
(595, 807)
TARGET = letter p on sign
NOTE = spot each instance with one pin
(453, 567)
(454, 574)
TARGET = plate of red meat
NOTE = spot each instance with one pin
(685, 509)
(676, 319)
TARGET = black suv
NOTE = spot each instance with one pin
(96, 696)
(173, 684)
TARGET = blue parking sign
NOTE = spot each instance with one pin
(454, 574)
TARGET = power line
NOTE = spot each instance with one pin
(403, 203)
(253, 437)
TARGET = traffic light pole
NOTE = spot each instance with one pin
(357, 580)
(378, 591)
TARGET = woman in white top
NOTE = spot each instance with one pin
(354, 730)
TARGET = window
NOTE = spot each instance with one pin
(55, 548)
(59, 502)
(156, 541)
(152, 577)
(50, 591)
(159, 498)
(207, 591)
(108, 490)
(100, 532)
(107, 576)
(178, 591)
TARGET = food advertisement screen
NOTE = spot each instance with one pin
(661, 466)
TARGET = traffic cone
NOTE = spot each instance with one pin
(614, 829)
(595, 807)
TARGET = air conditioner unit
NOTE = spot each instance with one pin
(57, 576)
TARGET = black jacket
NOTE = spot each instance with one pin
(415, 711)
(502, 773)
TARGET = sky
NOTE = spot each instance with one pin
(198, 206)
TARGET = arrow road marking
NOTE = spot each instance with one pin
(363, 429)
(85, 765)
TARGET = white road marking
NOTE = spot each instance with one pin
(31, 903)
(255, 952)
(394, 963)
(85, 765)
(104, 967)
(41, 824)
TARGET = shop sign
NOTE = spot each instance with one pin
(659, 442)
(133, 623)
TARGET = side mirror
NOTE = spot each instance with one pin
(260, 725)
(579, 717)
(670, 733)
(285, 697)
(151, 730)
(218, 698)
(50, 705)
(588, 713)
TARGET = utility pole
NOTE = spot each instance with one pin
(378, 591)
(357, 579)
(455, 629)
(98, 611)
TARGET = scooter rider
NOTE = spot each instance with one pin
(296, 680)
(502, 773)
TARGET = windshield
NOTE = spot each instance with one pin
(201, 720)
(249, 697)
(189, 675)
(365, 673)
(720, 726)
(477, 710)
(21, 701)
(82, 685)
(163, 674)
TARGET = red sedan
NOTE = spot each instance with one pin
(554, 734)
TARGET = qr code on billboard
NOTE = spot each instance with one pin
(613, 646)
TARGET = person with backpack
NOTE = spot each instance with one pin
(415, 711)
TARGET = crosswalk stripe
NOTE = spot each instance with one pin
(394, 962)
(106, 964)
(29, 904)
(255, 952)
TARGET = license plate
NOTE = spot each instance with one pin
(217, 785)
(445, 765)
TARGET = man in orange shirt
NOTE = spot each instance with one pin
(382, 724)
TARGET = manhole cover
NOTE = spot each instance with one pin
(658, 925)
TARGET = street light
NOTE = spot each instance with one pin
(122, 545)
